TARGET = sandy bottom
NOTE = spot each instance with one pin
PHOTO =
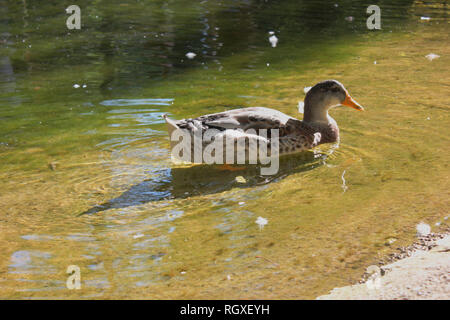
(423, 275)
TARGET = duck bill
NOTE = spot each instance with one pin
(349, 102)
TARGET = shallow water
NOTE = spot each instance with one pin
(86, 177)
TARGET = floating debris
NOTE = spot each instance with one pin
(268, 260)
(271, 32)
(137, 236)
(432, 56)
(349, 18)
(344, 185)
(84, 86)
(261, 222)
(273, 40)
(228, 277)
(76, 86)
(423, 229)
(241, 203)
(425, 18)
(374, 62)
(191, 55)
(53, 165)
(240, 179)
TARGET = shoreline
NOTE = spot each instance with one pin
(420, 271)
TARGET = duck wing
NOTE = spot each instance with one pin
(294, 135)
(246, 118)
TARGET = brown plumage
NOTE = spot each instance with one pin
(295, 135)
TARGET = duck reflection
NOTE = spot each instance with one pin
(184, 182)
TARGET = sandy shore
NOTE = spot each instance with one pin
(423, 272)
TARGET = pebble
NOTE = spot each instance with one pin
(424, 243)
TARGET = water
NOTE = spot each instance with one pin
(85, 171)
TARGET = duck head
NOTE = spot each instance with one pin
(324, 96)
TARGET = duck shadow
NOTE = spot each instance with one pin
(195, 180)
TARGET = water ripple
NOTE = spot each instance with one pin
(137, 102)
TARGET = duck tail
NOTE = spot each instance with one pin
(171, 127)
(171, 124)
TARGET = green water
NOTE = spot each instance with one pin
(85, 170)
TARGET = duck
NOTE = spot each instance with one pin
(317, 126)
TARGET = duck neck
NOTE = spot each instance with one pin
(315, 110)
(318, 118)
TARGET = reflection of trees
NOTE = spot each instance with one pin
(130, 43)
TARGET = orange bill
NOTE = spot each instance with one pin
(349, 102)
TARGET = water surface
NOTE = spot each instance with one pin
(85, 170)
